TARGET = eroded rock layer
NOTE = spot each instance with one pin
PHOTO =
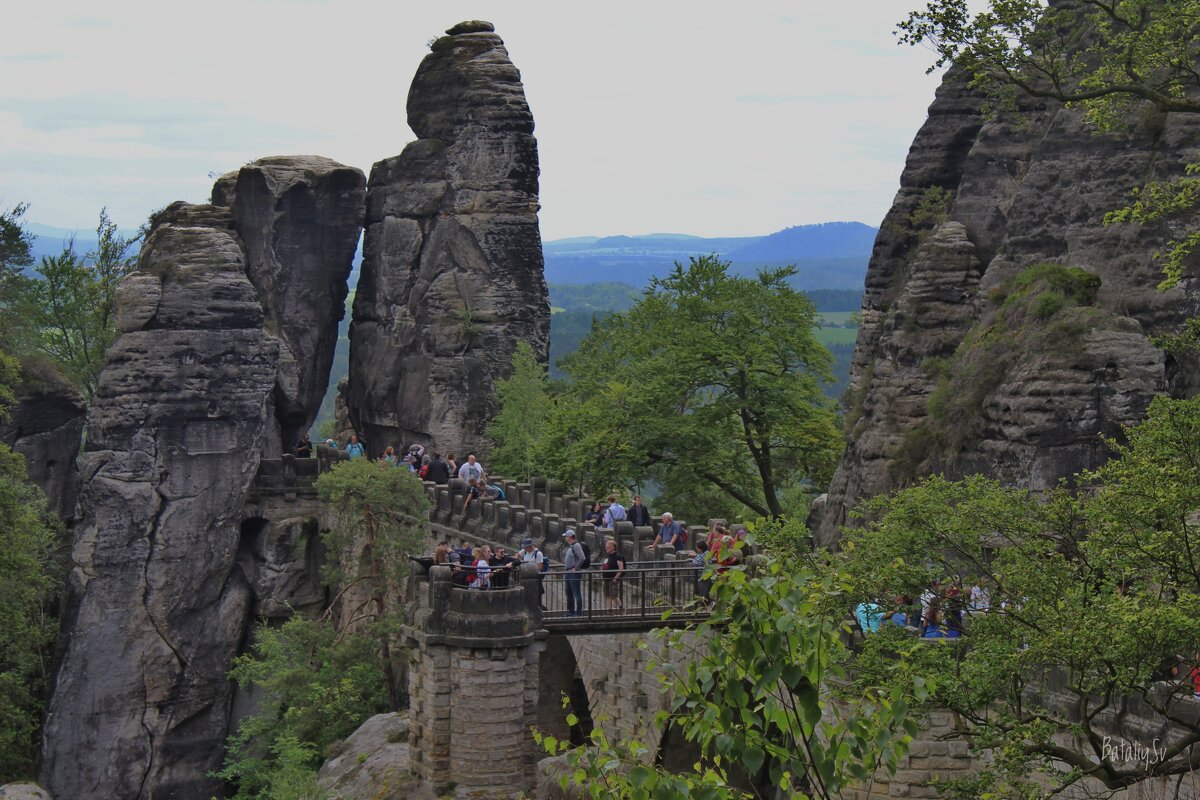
(156, 606)
(299, 218)
(981, 202)
(45, 425)
(452, 262)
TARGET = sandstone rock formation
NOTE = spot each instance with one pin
(156, 608)
(45, 425)
(372, 763)
(452, 263)
(980, 201)
(299, 218)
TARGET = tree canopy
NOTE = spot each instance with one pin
(1094, 602)
(765, 696)
(712, 381)
(1102, 55)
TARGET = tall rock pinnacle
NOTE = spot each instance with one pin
(156, 608)
(452, 263)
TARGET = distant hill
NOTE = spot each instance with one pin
(832, 255)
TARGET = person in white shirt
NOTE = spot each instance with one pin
(470, 469)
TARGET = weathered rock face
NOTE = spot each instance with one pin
(299, 218)
(45, 425)
(373, 763)
(1019, 192)
(157, 608)
(452, 263)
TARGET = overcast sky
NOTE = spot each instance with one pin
(729, 118)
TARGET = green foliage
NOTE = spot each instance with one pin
(1104, 56)
(524, 406)
(29, 586)
(685, 386)
(66, 311)
(315, 687)
(1093, 591)
(319, 680)
(378, 511)
(763, 694)
(1166, 200)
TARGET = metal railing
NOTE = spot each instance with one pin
(642, 592)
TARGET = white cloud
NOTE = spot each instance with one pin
(702, 118)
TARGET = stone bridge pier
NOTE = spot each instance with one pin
(473, 684)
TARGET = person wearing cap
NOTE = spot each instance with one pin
(531, 555)
(572, 564)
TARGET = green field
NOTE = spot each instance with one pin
(832, 336)
(836, 317)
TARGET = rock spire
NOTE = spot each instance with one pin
(452, 262)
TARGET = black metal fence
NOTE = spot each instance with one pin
(641, 592)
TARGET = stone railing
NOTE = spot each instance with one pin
(542, 510)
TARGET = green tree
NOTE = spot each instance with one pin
(29, 588)
(69, 307)
(764, 695)
(1101, 55)
(319, 679)
(1094, 593)
(711, 377)
(524, 406)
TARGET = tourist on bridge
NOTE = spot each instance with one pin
(439, 471)
(573, 561)
(355, 449)
(615, 513)
(531, 555)
(639, 515)
(471, 469)
(482, 577)
(596, 515)
(304, 447)
(613, 569)
(503, 568)
(388, 457)
(670, 533)
(474, 492)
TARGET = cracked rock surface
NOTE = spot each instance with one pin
(452, 261)
(1020, 191)
(156, 608)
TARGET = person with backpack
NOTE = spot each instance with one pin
(574, 562)
(531, 555)
(615, 513)
(671, 533)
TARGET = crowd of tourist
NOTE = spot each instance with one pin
(941, 612)
(482, 567)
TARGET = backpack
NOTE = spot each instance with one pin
(683, 535)
(587, 556)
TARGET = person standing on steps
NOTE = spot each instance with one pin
(471, 469)
(573, 560)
